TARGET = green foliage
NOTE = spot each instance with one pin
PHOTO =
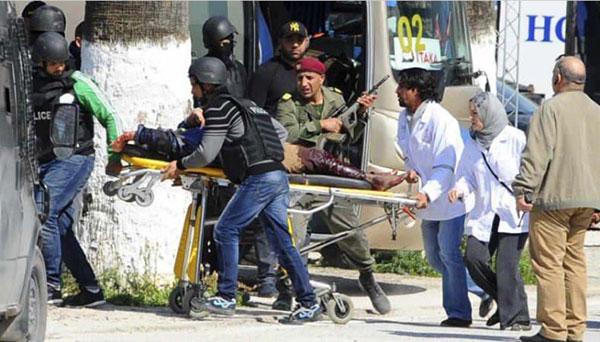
(131, 289)
(526, 269)
(414, 263)
(404, 262)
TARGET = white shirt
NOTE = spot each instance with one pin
(433, 149)
(491, 197)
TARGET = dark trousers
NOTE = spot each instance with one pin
(506, 285)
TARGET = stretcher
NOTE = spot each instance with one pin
(135, 183)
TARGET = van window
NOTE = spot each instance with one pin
(426, 32)
(200, 11)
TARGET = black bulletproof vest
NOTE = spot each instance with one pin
(46, 93)
(258, 146)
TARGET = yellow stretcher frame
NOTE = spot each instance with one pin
(139, 177)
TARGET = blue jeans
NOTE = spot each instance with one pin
(442, 240)
(64, 180)
(474, 289)
(266, 196)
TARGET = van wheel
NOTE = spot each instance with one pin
(38, 299)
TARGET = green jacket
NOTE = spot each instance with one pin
(301, 122)
(560, 162)
(95, 102)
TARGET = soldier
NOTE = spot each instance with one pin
(305, 115)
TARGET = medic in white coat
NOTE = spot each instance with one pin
(488, 167)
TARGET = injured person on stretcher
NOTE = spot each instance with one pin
(169, 144)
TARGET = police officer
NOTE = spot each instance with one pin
(28, 13)
(46, 18)
(306, 116)
(218, 35)
(251, 156)
(277, 76)
(65, 178)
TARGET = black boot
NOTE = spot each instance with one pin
(286, 294)
(380, 301)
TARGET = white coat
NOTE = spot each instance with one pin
(433, 149)
(491, 197)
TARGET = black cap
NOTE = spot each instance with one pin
(32, 6)
(293, 27)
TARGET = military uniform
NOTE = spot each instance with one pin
(301, 120)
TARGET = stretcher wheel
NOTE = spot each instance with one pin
(145, 200)
(127, 197)
(191, 293)
(338, 314)
(108, 189)
(176, 300)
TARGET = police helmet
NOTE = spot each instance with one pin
(48, 19)
(31, 7)
(50, 47)
(216, 29)
(209, 70)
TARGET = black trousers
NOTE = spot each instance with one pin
(506, 285)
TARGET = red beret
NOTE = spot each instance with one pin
(310, 64)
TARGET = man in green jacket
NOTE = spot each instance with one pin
(65, 175)
(306, 116)
(558, 183)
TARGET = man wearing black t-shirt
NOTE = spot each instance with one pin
(277, 76)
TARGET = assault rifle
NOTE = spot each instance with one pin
(348, 114)
(349, 117)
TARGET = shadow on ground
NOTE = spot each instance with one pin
(349, 286)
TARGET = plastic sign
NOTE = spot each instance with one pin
(410, 51)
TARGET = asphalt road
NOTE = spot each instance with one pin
(416, 315)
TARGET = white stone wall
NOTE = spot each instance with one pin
(147, 84)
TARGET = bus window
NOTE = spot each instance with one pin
(423, 33)
(200, 11)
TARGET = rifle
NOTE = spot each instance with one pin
(349, 117)
(348, 114)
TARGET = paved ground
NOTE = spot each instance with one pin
(416, 316)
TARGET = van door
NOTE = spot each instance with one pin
(10, 202)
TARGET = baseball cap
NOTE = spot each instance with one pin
(293, 27)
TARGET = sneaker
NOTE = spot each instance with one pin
(216, 305)
(456, 322)
(54, 296)
(486, 306)
(367, 283)
(85, 299)
(302, 315)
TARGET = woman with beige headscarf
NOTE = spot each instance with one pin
(489, 165)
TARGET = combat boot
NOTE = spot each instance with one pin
(368, 284)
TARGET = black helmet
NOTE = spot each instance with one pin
(209, 70)
(50, 47)
(31, 7)
(216, 29)
(48, 19)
